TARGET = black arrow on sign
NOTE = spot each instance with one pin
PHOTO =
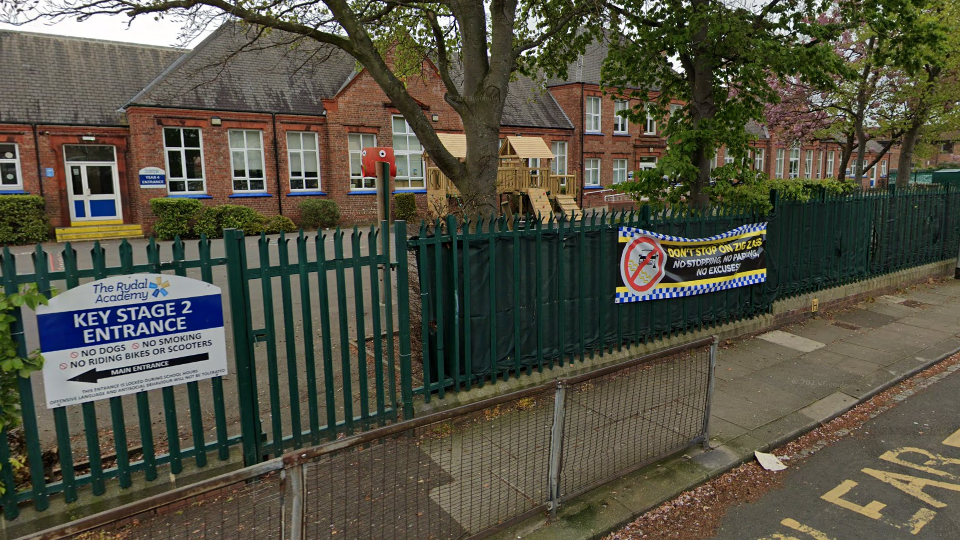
(93, 375)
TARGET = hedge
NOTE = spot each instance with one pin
(23, 220)
(213, 220)
(406, 206)
(319, 213)
(174, 217)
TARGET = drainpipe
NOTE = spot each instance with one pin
(36, 149)
(583, 106)
(276, 163)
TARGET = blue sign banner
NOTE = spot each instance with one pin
(153, 180)
(111, 324)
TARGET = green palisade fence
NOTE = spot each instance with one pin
(499, 301)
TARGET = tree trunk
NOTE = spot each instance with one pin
(845, 153)
(907, 148)
(479, 187)
(703, 107)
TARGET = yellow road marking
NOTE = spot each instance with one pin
(912, 485)
(871, 510)
(953, 440)
(893, 456)
(800, 527)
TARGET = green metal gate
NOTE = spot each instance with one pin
(299, 312)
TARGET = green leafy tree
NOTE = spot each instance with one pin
(14, 367)
(717, 57)
(476, 47)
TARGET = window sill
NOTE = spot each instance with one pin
(249, 195)
(305, 193)
(595, 133)
(363, 192)
(625, 135)
(592, 187)
(649, 133)
(189, 196)
(14, 192)
(417, 190)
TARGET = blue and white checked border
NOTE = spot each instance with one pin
(679, 291)
(630, 232)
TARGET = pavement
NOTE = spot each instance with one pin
(897, 479)
(775, 386)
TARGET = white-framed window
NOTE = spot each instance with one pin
(647, 162)
(620, 123)
(183, 151)
(356, 142)
(779, 169)
(409, 156)
(674, 107)
(808, 165)
(819, 163)
(883, 169)
(872, 172)
(830, 164)
(727, 158)
(303, 156)
(592, 111)
(759, 160)
(795, 162)
(10, 177)
(591, 172)
(714, 159)
(559, 164)
(246, 160)
(619, 171)
(651, 127)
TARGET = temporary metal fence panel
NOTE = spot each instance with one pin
(459, 474)
(502, 299)
(297, 324)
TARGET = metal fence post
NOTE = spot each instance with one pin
(292, 496)
(403, 324)
(710, 382)
(233, 241)
(556, 449)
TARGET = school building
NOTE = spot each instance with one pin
(100, 128)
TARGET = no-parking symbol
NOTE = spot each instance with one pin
(642, 264)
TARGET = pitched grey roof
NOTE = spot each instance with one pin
(530, 105)
(235, 69)
(586, 68)
(67, 80)
(757, 130)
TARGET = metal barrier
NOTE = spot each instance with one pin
(462, 473)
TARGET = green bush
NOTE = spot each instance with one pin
(213, 220)
(319, 213)
(406, 206)
(279, 224)
(23, 220)
(174, 217)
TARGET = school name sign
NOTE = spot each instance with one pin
(127, 334)
(654, 266)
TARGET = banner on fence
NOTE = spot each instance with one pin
(126, 334)
(654, 266)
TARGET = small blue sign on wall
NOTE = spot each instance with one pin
(48, 172)
(153, 177)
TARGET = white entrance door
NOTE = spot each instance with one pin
(92, 182)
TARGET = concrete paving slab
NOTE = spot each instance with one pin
(859, 367)
(728, 371)
(825, 356)
(828, 407)
(806, 377)
(867, 384)
(721, 457)
(745, 352)
(783, 428)
(940, 349)
(822, 330)
(932, 321)
(893, 310)
(722, 431)
(927, 297)
(663, 481)
(863, 353)
(891, 299)
(865, 319)
(749, 414)
(883, 341)
(906, 366)
(791, 341)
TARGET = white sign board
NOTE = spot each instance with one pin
(126, 334)
(153, 177)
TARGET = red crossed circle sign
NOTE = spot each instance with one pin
(642, 264)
